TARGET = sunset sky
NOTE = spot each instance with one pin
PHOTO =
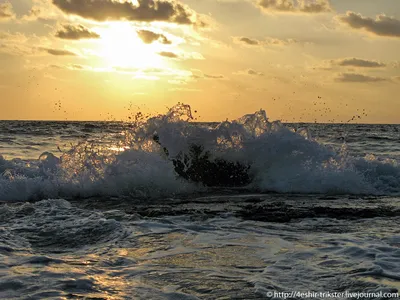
(300, 60)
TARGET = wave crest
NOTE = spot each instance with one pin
(281, 159)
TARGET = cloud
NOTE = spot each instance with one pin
(358, 62)
(16, 49)
(295, 6)
(6, 11)
(58, 52)
(34, 14)
(78, 67)
(143, 10)
(71, 67)
(269, 41)
(184, 55)
(280, 42)
(200, 75)
(16, 43)
(207, 76)
(168, 54)
(249, 41)
(350, 62)
(354, 77)
(255, 73)
(43, 11)
(13, 37)
(76, 32)
(250, 72)
(149, 37)
(382, 25)
(315, 6)
(277, 5)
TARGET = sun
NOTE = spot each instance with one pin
(120, 46)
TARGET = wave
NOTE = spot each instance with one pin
(55, 225)
(280, 159)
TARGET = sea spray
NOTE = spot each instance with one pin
(281, 159)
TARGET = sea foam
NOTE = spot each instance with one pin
(282, 160)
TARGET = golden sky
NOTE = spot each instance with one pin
(300, 60)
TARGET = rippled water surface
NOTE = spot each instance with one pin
(57, 249)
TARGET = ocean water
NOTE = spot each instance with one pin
(95, 210)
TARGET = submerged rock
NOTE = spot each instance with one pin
(199, 166)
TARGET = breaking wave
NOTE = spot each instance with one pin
(281, 159)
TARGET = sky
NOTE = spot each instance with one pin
(300, 60)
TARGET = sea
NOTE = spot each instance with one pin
(95, 210)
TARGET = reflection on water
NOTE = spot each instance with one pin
(181, 257)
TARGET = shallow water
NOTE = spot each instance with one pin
(55, 249)
(101, 214)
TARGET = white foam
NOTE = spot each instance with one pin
(281, 159)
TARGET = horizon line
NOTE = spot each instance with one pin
(122, 121)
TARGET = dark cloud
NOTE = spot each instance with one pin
(296, 6)
(249, 41)
(382, 25)
(76, 32)
(358, 62)
(6, 11)
(149, 37)
(354, 77)
(59, 52)
(168, 54)
(145, 10)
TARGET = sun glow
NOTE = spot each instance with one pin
(120, 46)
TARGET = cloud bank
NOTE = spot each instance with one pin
(145, 10)
(382, 25)
(359, 62)
(355, 77)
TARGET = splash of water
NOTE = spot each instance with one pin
(281, 159)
